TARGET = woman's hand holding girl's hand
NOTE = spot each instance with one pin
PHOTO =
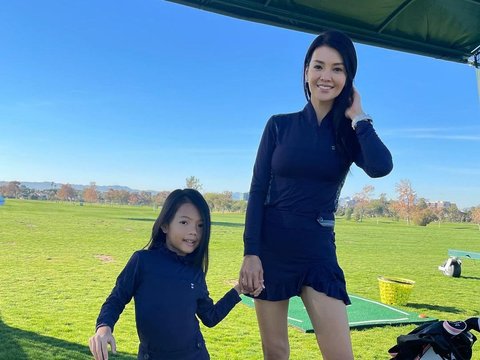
(356, 107)
(98, 343)
(251, 275)
(241, 291)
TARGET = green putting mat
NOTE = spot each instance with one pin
(361, 313)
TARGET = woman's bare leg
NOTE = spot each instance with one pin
(330, 322)
(273, 324)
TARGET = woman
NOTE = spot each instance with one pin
(301, 165)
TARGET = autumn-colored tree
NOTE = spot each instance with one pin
(113, 196)
(145, 198)
(394, 209)
(12, 189)
(122, 197)
(476, 216)
(90, 193)
(66, 193)
(440, 213)
(110, 196)
(362, 200)
(160, 197)
(406, 199)
(193, 183)
(134, 199)
(141, 198)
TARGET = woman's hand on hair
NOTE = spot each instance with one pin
(98, 343)
(251, 275)
(356, 107)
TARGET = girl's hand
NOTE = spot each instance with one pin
(241, 291)
(238, 289)
(98, 343)
(251, 275)
(356, 107)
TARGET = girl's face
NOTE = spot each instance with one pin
(326, 75)
(184, 232)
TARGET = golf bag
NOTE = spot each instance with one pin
(451, 267)
(439, 340)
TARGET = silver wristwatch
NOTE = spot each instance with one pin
(360, 117)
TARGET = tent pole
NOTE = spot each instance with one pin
(478, 82)
(476, 64)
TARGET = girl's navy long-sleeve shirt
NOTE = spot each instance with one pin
(169, 294)
(299, 170)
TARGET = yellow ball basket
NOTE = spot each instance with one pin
(394, 290)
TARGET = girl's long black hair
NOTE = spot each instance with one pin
(345, 138)
(176, 199)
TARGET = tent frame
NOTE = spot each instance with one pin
(444, 29)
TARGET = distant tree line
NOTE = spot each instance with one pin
(218, 202)
(407, 206)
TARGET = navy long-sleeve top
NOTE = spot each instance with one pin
(298, 168)
(169, 293)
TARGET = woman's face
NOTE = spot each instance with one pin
(326, 75)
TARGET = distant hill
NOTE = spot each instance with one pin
(45, 185)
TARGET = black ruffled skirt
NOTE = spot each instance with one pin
(297, 251)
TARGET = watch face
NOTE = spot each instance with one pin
(361, 117)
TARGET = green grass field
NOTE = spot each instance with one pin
(59, 261)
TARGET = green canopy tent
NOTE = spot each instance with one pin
(444, 29)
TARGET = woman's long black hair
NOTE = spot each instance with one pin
(345, 138)
(176, 199)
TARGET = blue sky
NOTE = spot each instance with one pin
(147, 93)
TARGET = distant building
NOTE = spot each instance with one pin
(439, 205)
(239, 196)
(346, 202)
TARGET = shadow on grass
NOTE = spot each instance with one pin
(228, 224)
(141, 219)
(448, 309)
(10, 346)
(16, 343)
(470, 277)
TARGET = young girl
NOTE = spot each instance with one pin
(167, 281)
